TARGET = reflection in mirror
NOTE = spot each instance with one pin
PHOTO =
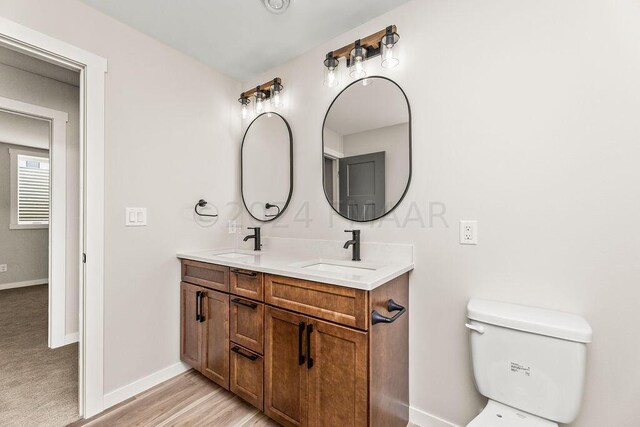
(267, 167)
(367, 149)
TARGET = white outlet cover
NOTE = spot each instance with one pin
(135, 217)
(468, 232)
(3, 268)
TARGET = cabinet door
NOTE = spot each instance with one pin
(215, 342)
(285, 397)
(338, 376)
(190, 326)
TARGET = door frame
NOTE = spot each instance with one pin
(92, 69)
(57, 121)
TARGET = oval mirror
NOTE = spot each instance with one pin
(267, 167)
(366, 141)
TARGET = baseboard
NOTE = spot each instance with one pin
(424, 419)
(138, 386)
(71, 338)
(23, 284)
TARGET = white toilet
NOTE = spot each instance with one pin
(529, 362)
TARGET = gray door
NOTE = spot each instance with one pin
(362, 186)
(328, 177)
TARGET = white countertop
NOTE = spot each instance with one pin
(372, 274)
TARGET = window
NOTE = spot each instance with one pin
(29, 190)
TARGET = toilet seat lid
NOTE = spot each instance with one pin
(496, 414)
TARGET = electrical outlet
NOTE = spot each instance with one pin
(468, 232)
(233, 227)
(3, 268)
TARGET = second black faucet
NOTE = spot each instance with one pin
(355, 241)
(256, 238)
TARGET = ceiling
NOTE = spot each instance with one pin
(36, 66)
(362, 108)
(240, 38)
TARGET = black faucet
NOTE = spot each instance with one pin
(355, 241)
(256, 238)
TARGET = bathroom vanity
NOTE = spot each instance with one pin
(312, 342)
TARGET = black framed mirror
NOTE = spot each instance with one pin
(366, 149)
(266, 167)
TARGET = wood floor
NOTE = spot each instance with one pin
(186, 400)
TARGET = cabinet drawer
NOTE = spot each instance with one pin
(338, 304)
(210, 276)
(247, 323)
(246, 377)
(246, 283)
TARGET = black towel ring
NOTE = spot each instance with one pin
(202, 203)
(269, 206)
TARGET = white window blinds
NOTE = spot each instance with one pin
(33, 190)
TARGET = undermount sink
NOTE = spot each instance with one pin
(340, 267)
(238, 256)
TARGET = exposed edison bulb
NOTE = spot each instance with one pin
(389, 40)
(244, 101)
(331, 71)
(358, 56)
(276, 95)
(259, 106)
(389, 60)
(260, 97)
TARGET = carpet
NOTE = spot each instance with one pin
(38, 385)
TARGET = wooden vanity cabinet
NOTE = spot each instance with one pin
(315, 373)
(306, 353)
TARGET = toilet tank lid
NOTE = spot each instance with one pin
(530, 319)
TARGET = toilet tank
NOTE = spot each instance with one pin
(529, 358)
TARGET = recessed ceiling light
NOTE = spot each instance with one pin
(276, 6)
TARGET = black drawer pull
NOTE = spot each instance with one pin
(301, 328)
(248, 356)
(391, 306)
(244, 303)
(309, 358)
(202, 296)
(198, 306)
(244, 273)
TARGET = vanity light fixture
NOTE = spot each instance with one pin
(275, 94)
(244, 100)
(389, 58)
(356, 61)
(380, 43)
(266, 98)
(260, 98)
(331, 78)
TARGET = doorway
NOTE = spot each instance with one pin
(39, 220)
(90, 267)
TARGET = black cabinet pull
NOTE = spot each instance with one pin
(202, 295)
(309, 358)
(244, 273)
(301, 328)
(248, 356)
(198, 306)
(244, 303)
(391, 306)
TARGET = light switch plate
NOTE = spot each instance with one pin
(3, 268)
(135, 217)
(468, 232)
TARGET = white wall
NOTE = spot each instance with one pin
(171, 138)
(26, 252)
(45, 92)
(525, 117)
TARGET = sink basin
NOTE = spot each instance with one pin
(234, 255)
(340, 268)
